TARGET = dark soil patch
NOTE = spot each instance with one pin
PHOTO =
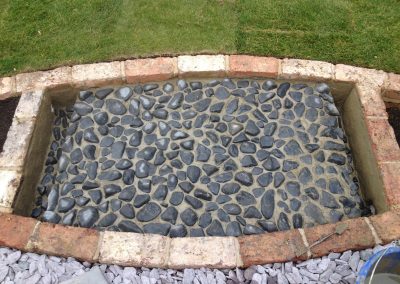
(7, 109)
(394, 120)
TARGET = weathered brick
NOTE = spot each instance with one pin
(9, 184)
(390, 174)
(371, 100)
(66, 241)
(383, 140)
(271, 247)
(98, 74)
(53, 79)
(212, 252)
(387, 225)
(347, 73)
(131, 249)
(299, 69)
(7, 87)
(17, 143)
(15, 231)
(28, 105)
(357, 236)
(202, 65)
(151, 69)
(391, 89)
(253, 66)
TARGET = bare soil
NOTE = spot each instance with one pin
(394, 120)
(7, 109)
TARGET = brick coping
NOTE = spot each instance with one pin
(133, 249)
(372, 88)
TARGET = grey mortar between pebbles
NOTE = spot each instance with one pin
(195, 158)
(30, 268)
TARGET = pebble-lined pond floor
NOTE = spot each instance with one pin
(193, 158)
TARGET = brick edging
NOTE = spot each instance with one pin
(132, 249)
(372, 88)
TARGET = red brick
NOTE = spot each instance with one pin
(383, 140)
(151, 69)
(271, 247)
(387, 225)
(390, 174)
(66, 241)
(15, 231)
(248, 66)
(357, 236)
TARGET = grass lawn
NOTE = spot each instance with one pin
(45, 34)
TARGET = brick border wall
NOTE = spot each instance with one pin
(132, 249)
(372, 86)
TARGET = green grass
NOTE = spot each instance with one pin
(44, 34)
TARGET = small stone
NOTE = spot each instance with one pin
(127, 211)
(189, 217)
(252, 212)
(170, 215)
(266, 141)
(51, 217)
(178, 231)
(271, 164)
(90, 136)
(268, 204)
(142, 169)
(193, 173)
(215, 229)
(176, 198)
(199, 193)
(65, 204)
(149, 212)
(268, 226)
(233, 229)
(103, 93)
(88, 216)
(82, 108)
(115, 107)
(315, 213)
(140, 200)
(244, 178)
(328, 200)
(194, 202)
(252, 230)
(124, 93)
(337, 159)
(128, 226)
(335, 187)
(293, 148)
(101, 118)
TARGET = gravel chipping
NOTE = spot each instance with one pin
(31, 268)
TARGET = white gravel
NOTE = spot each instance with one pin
(30, 268)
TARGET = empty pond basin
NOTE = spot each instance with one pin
(194, 158)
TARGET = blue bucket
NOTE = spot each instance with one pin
(388, 268)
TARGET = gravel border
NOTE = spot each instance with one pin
(31, 268)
